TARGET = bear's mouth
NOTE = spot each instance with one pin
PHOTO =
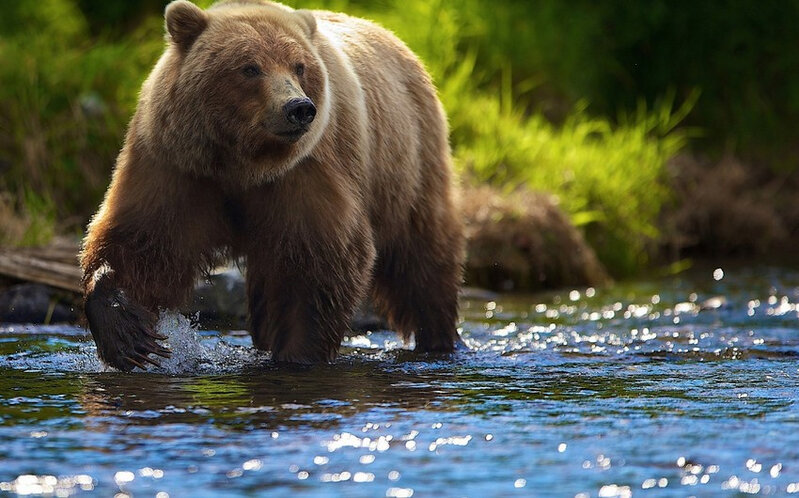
(292, 135)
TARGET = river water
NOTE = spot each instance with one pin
(677, 386)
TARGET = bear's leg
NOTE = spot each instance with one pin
(309, 264)
(302, 303)
(417, 281)
(157, 229)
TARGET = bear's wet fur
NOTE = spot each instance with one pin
(310, 143)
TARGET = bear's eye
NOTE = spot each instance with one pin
(299, 69)
(251, 71)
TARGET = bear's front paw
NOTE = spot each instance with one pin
(123, 330)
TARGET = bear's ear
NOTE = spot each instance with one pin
(307, 21)
(184, 22)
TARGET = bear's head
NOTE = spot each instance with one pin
(241, 92)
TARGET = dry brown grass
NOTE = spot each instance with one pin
(524, 242)
(13, 225)
(723, 209)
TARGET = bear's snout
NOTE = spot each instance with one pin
(300, 111)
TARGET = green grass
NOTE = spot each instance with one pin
(65, 99)
(609, 179)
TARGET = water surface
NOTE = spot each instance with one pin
(679, 386)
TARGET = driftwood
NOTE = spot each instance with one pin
(55, 265)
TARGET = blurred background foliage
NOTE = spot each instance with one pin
(586, 100)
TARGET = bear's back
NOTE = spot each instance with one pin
(405, 121)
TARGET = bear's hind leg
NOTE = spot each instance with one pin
(416, 285)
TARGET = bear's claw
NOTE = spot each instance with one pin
(123, 330)
(140, 359)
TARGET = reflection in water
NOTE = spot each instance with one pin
(266, 398)
(684, 385)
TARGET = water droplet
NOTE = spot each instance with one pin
(123, 477)
(399, 492)
(363, 477)
(752, 464)
(615, 490)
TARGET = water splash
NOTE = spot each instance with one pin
(188, 353)
(193, 354)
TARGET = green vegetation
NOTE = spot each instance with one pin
(65, 99)
(580, 99)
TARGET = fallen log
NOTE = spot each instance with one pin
(55, 265)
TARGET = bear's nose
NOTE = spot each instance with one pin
(300, 111)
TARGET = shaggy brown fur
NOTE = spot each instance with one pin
(357, 199)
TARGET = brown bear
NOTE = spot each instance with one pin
(310, 143)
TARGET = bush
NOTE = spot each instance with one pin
(610, 179)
